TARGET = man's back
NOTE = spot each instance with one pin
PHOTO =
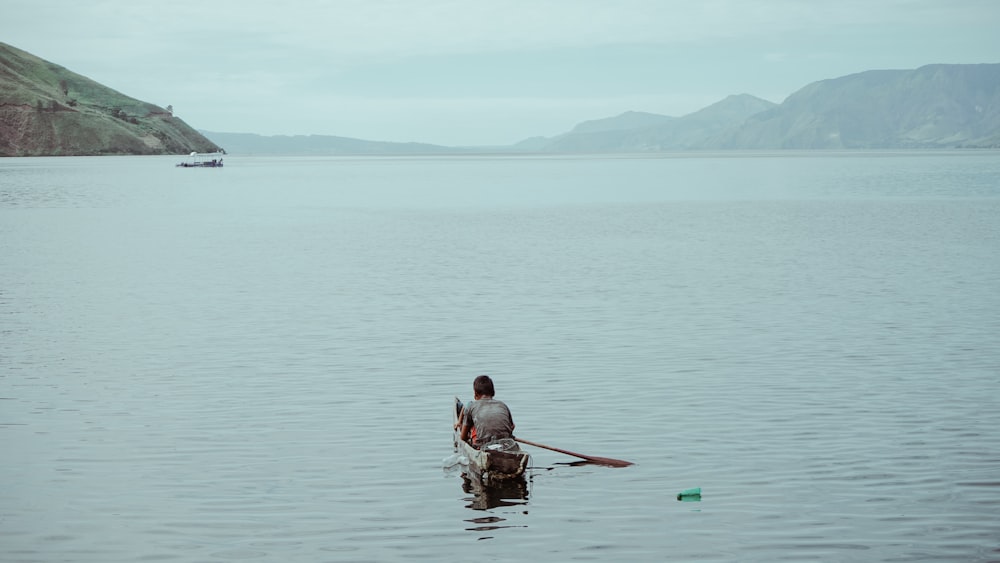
(491, 418)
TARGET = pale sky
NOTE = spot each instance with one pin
(478, 72)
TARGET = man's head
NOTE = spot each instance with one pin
(482, 386)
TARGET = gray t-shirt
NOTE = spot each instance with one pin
(491, 418)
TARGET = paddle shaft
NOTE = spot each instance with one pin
(600, 460)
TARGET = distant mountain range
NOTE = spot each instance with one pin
(47, 110)
(316, 145)
(932, 107)
(646, 132)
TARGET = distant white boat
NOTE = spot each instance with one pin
(203, 160)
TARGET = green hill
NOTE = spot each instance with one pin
(47, 110)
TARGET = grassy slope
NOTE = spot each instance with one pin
(46, 109)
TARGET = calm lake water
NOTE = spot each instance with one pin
(259, 362)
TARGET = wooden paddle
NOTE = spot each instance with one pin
(610, 462)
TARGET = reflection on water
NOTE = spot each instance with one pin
(513, 492)
(579, 463)
(502, 494)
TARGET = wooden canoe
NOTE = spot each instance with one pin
(498, 461)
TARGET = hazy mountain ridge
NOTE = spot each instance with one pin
(934, 106)
(46, 109)
(627, 120)
(659, 133)
(317, 145)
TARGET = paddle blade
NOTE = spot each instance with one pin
(608, 461)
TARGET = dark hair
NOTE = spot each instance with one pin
(483, 385)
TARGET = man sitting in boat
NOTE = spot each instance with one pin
(485, 419)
